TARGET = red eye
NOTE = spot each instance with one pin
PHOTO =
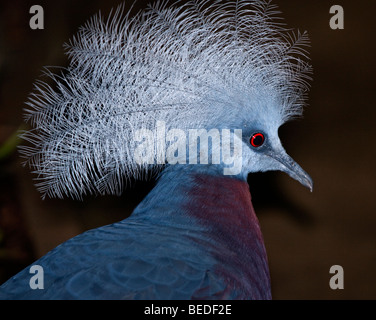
(257, 140)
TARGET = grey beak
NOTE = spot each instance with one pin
(292, 168)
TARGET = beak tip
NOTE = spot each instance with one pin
(309, 183)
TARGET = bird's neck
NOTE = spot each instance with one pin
(216, 212)
(215, 202)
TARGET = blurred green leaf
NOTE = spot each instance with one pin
(10, 145)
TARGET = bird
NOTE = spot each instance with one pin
(191, 94)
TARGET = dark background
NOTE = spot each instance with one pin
(305, 233)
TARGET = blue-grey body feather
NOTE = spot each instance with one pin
(160, 252)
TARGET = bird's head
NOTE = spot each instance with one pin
(221, 64)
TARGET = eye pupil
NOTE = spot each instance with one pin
(257, 140)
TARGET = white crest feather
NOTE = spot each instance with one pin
(198, 65)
